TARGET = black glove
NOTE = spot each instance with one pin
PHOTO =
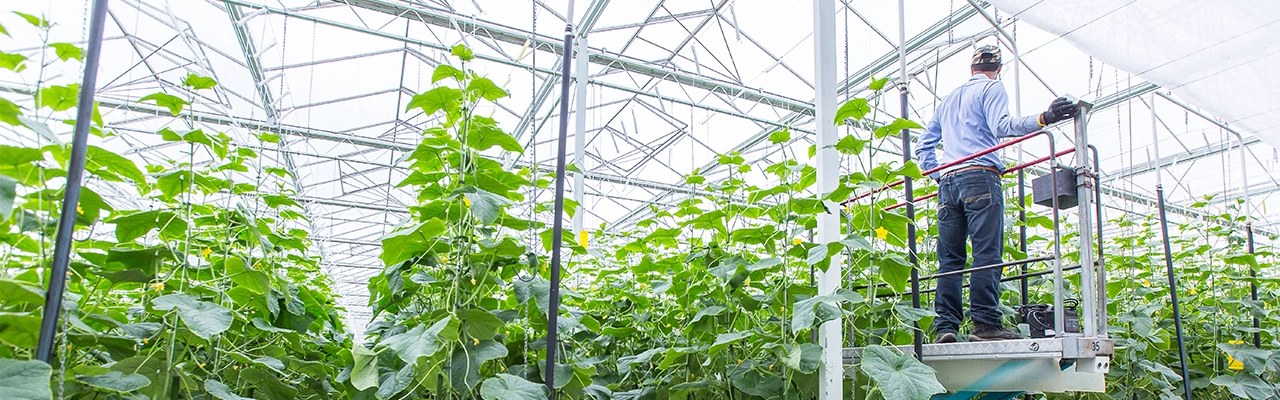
(1059, 110)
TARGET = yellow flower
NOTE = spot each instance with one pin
(473, 281)
(504, 367)
(201, 365)
(739, 361)
(882, 233)
(668, 325)
(145, 340)
(466, 201)
(747, 282)
(690, 375)
(158, 286)
(1191, 290)
(796, 241)
(79, 210)
(771, 367)
(206, 252)
(235, 367)
(444, 259)
(1146, 283)
(475, 342)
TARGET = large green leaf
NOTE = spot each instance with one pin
(900, 376)
(115, 381)
(203, 318)
(18, 292)
(25, 379)
(486, 89)
(419, 341)
(111, 166)
(780, 136)
(723, 341)
(9, 111)
(898, 125)
(480, 324)
(364, 373)
(59, 98)
(8, 191)
(67, 51)
(1253, 358)
(441, 98)
(464, 367)
(1247, 385)
(483, 136)
(446, 71)
(484, 205)
(13, 61)
(511, 387)
(35, 21)
(395, 383)
(198, 82)
(407, 243)
(856, 109)
(133, 226)
(221, 391)
(173, 103)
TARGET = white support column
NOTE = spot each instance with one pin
(580, 132)
(830, 336)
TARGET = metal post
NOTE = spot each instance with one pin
(1173, 295)
(580, 133)
(1084, 192)
(1168, 253)
(1101, 260)
(1022, 229)
(71, 194)
(557, 233)
(830, 335)
(907, 186)
(1253, 287)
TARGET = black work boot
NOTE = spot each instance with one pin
(945, 337)
(984, 332)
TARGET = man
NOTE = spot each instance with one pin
(970, 197)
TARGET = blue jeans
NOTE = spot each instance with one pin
(970, 205)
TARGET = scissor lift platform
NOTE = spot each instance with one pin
(1011, 367)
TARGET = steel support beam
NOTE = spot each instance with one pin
(518, 37)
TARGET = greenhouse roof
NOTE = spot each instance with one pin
(672, 84)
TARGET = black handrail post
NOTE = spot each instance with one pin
(1100, 260)
(1173, 293)
(1022, 229)
(71, 194)
(1253, 287)
(557, 234)
(907, 188)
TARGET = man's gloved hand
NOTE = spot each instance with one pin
(1059, 110)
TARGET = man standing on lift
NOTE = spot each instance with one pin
(970, 197)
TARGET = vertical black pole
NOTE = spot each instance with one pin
(1253, 288)
(71, 195)
(557, 234)
(1173, 294)
(1100, 259)
(909, 195)
(1022, 229)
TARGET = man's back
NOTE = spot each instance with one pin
(969, 120)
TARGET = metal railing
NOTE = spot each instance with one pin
(1093, 298)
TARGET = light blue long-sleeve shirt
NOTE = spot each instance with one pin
(971, 119)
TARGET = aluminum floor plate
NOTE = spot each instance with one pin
(1025, 348)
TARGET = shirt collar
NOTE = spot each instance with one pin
(976, 77)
